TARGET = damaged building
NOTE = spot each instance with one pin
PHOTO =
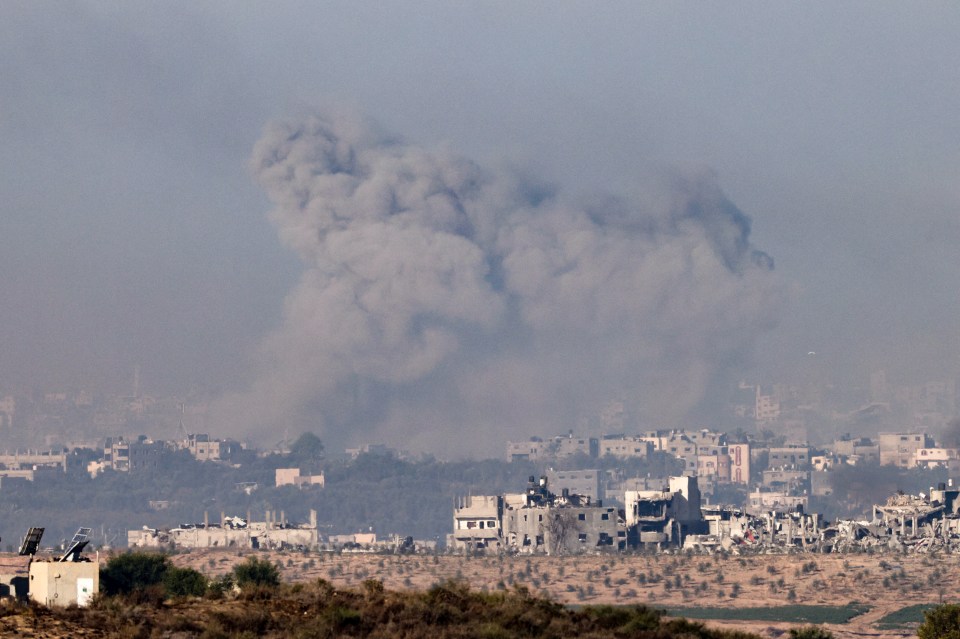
(540, 521)
(231, 532)
(536, 521)
(665, 516)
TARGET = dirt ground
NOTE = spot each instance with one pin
(885, 582)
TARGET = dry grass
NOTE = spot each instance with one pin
(885, 582)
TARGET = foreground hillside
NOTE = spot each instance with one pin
(863, 589)
(316, 610)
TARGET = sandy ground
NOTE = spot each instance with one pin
(885, 582)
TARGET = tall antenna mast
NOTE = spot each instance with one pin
(181, 431)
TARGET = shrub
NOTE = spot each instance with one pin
(943, 622)
(256, 572)
(131, 572)
(810, 632)
(184, 582)
(218, 587)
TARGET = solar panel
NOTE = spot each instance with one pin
(79, 541)
(31, 542)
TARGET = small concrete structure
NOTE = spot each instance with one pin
(62, 583)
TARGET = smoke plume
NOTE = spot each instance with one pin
(446, 307)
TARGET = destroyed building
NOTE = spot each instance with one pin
(537, 521)
(663, 516)
(231, 532)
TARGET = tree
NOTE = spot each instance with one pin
(942, 622)
(307, 447)
(256, 572)
(134, 571)
(184, 582)
(560, 524)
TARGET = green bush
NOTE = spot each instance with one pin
(184, 582)
(943, 622)
(256, 572)
(133, 572)
(810, 632)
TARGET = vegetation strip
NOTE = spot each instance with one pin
(905, 617)
(790, 614)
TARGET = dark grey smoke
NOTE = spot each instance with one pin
(445, 307)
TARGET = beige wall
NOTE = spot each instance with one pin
(63, 583)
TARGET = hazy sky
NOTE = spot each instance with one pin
(133, 230)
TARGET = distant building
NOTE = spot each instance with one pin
(624, 447)
(766, 408)
(854, 451)
(577, 482)
(34, 460)
(935, 457)
(559, 447)
(231, 532)
(739, 463)
(761, 501)
(536, 522)
(8, 411)
(797, 457)
(899, 449)
(664, 516)
(477, 523)
(126, 456)
(292, 477)
(370, 449)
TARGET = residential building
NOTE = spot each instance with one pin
(477, 523)
(292, 477)
(899, 449)
(789, 457)
(578, 482)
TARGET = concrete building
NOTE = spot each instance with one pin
(34, 459)
(761, 501)
(899, 449)
(231, 532)
(536, 522)
(125, 456)
(559, 447)
(625, 446)
(739, 463)
(203, 448)
(934, 457)
(820, 484)
(533, 450)
(663, 516)
(292, 477)
(588, 483)
(794, 457)
(571, 445)
(371, 449)
(63, 583)
(477, 523)
(766, 408)
(854, 451)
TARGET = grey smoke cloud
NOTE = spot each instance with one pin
(446, 307)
